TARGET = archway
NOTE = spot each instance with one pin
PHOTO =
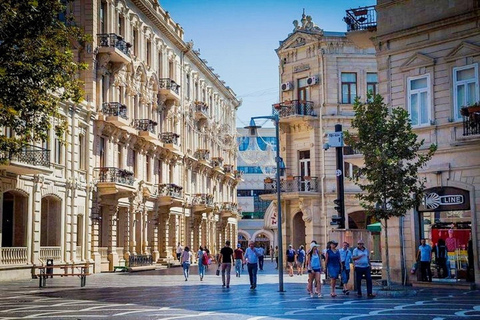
(14, 220)
(298, 232)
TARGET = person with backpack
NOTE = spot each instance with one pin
(200, 259)
(300, 260)
(290, 260)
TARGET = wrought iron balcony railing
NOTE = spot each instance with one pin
(202, 154)
(229, 206)
(29, 154)
(169, 137)
(294, 108)
(115, 109)
(293, 184)
(217, 162)
(145, 125)
(201, 106)
(169, 84)
(238, 174)
(228, 168)
(114, 40)
(364, 18)
(170, 190)
(203, 199)
(471, 120)
(115, 175)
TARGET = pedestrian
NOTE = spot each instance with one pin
(440, 251)
(251, 259)
(314, 269)
(424, 255)
(271, 254)
(276, 257)
(226, 259)
(300, 260)
(209, 257)
(186, 259)
(200, 261)
(261, 257)
(345, 260)
(238, 253)
(290, 259)
(361, 259)
(332, 263)
(179, 251)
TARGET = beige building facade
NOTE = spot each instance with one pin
(152, 156)
(428, 55)
(320, 73)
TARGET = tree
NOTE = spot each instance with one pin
(37, 70)
(393, 155)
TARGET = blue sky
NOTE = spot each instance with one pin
(239, 38)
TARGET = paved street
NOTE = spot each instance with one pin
(163, 294)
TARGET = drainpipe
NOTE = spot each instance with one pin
(320, 114)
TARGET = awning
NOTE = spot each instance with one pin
(375, 227)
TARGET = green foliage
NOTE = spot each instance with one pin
(393, 155)
(37, 68)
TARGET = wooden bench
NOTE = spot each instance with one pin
(80, 270)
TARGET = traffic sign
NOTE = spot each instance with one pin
(335, 139)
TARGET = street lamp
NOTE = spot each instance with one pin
(280, 167)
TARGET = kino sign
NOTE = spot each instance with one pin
(445, 199)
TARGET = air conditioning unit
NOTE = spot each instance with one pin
(313, 80)
(287, 86)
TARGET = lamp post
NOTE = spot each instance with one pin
(278, 161)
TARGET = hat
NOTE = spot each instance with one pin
(313, 244)
(289, 245)
(360, 241)
(238, 245)
(334, 242)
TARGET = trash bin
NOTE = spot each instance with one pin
(49, 270)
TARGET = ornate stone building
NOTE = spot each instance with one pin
(152, 156)
(321, 72)
(428, 53)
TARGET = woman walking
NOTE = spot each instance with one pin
(332, 261)
(201, 265)
(186, 259)
(314, 270)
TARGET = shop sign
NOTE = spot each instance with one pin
(445, 199)
(302, 67)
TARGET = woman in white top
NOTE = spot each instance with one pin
(186, 259)
(314, 269)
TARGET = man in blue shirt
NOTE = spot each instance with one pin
(361, 259)
(261, 256)
(251, 259)
(345, 260)
(424, 255)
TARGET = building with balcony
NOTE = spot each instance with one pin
(321, 73)
(428, 53)
(130, 183)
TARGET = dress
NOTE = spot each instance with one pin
(333, 265)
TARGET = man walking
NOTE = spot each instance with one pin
(290, 260)
(179, 251)
(251, 259)
(261, 257)
(226, 259)
(345, 259)
(424, 254)
(238, 253)
(361, 258)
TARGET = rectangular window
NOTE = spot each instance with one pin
(102, 17)
(121, 26)
(149, 53)
(372, 83)
(419, 100)
(135, 42)
(101, 152)
(349, 87)
(58, 158)
(119, 156)
(188, 86)
(465, 87)
(82, 148)
(147, 167)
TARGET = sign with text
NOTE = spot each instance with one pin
(445, 199)
(335, 139)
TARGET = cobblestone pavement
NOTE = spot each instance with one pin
(164, 294)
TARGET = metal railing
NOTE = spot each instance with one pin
(471, 124)
(170, 190)
(140, 260)
(294, 108)
(364, 18)
(114, 40)
(217, 162)
(29, 154)
(201, 107)
(169, 84)
(169, 137)
(115, 109)
(202, 154)
(203, 199)
(293, 184)
(228, 168)
(115, 175)
(145, 125)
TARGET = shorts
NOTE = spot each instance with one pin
(290, 263)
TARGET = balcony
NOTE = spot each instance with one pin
(202, 202)
(228, 209)
(170, 195)
(111, 180)
(217, 163)
(169, 90)
(201, 110)
(114, 45)
(146, 128)
(361, 26)
(170, 141)
(291, 110)
(229, 170)
(353, 156)
(238, 175)
(203, 155)
(115, 113)
(471, 120)
(295, 184)
(28, 160)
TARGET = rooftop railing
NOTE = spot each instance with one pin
(364, 18)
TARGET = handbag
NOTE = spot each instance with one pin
(218, 271)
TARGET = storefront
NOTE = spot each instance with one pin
(445, 221)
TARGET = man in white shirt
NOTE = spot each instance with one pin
(179, 251)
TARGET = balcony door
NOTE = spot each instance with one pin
(304, 162)
(302, 95)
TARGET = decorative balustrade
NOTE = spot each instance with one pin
(169, 138)
(238, 174)
(168, 84)
(54, 253)
(13, 255)
(28, 154)
(170, 190)
(217, 162)
(229, 206)
(203, 199)
(471, 119)
(293, 184)
(228, 168)
(115, 175)
(115, 109)
(294, 108)
(202, 154)
(364, 18)
(201, 106)
(114, 40)
(145, 125)
(140, 260)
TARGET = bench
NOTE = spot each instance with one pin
(80, 270)
(120, 268)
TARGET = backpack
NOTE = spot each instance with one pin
(205, 259)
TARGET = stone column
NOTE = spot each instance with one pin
(111, 213)
(131, 229)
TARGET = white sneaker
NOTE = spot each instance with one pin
(311, 295)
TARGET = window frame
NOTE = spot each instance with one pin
(455, 85)
(428, 90)
(350, 100)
